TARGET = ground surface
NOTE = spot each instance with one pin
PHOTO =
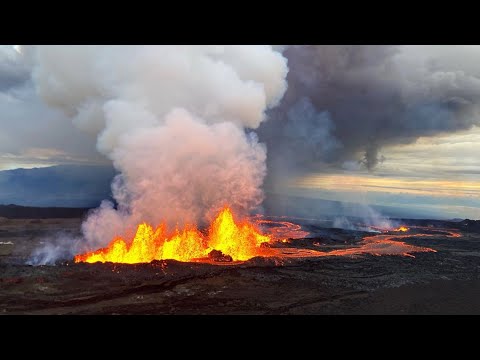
(442, 282)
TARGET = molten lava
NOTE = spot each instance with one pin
(239, 240)
(279, 229)
(230, 241)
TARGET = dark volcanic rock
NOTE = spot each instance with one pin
(470, 225)
(218, 256)
(442, 282)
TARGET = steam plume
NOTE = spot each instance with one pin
(172, 119)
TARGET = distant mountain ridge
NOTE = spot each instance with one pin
(27, 212)
(57, 186)
(289, 205)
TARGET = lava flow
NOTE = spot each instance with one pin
(279, 229)
(231, 240)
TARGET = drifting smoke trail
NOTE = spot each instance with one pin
(356, 99)
(345, 103)
(370, 219)
(172, 119)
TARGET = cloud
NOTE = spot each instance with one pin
(13, 70)
(29, 128)
(375, 96)
(447, 157)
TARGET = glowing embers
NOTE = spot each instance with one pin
(401, 229)
(236, 240)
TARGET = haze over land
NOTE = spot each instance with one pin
(58, 186)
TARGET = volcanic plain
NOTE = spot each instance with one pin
(445, 280)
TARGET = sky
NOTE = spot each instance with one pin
(438, 175)
(383, 125)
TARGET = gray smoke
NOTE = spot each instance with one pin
(60, 247)
(344, 103)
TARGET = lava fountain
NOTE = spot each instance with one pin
(228, 240)
(239, 240)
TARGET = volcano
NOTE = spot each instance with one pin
(305, 267)
(195, 139)
(239, 241)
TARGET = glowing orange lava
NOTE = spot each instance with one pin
(240, 240)
(281, 230)
(235, 242)
(381, 244)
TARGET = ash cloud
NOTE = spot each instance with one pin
(172, 119)
(374, 96)
(309, 132)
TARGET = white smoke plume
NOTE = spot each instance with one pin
(62, 246)
(370, 219)
(173, 120)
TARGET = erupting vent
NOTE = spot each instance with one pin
(238, 240)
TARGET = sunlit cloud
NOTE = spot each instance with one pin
(439, 174)
(43, 157)
(361, 183)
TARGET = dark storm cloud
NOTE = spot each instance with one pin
(13, 70)
(345, 103)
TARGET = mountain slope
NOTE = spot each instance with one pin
(65, 185)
